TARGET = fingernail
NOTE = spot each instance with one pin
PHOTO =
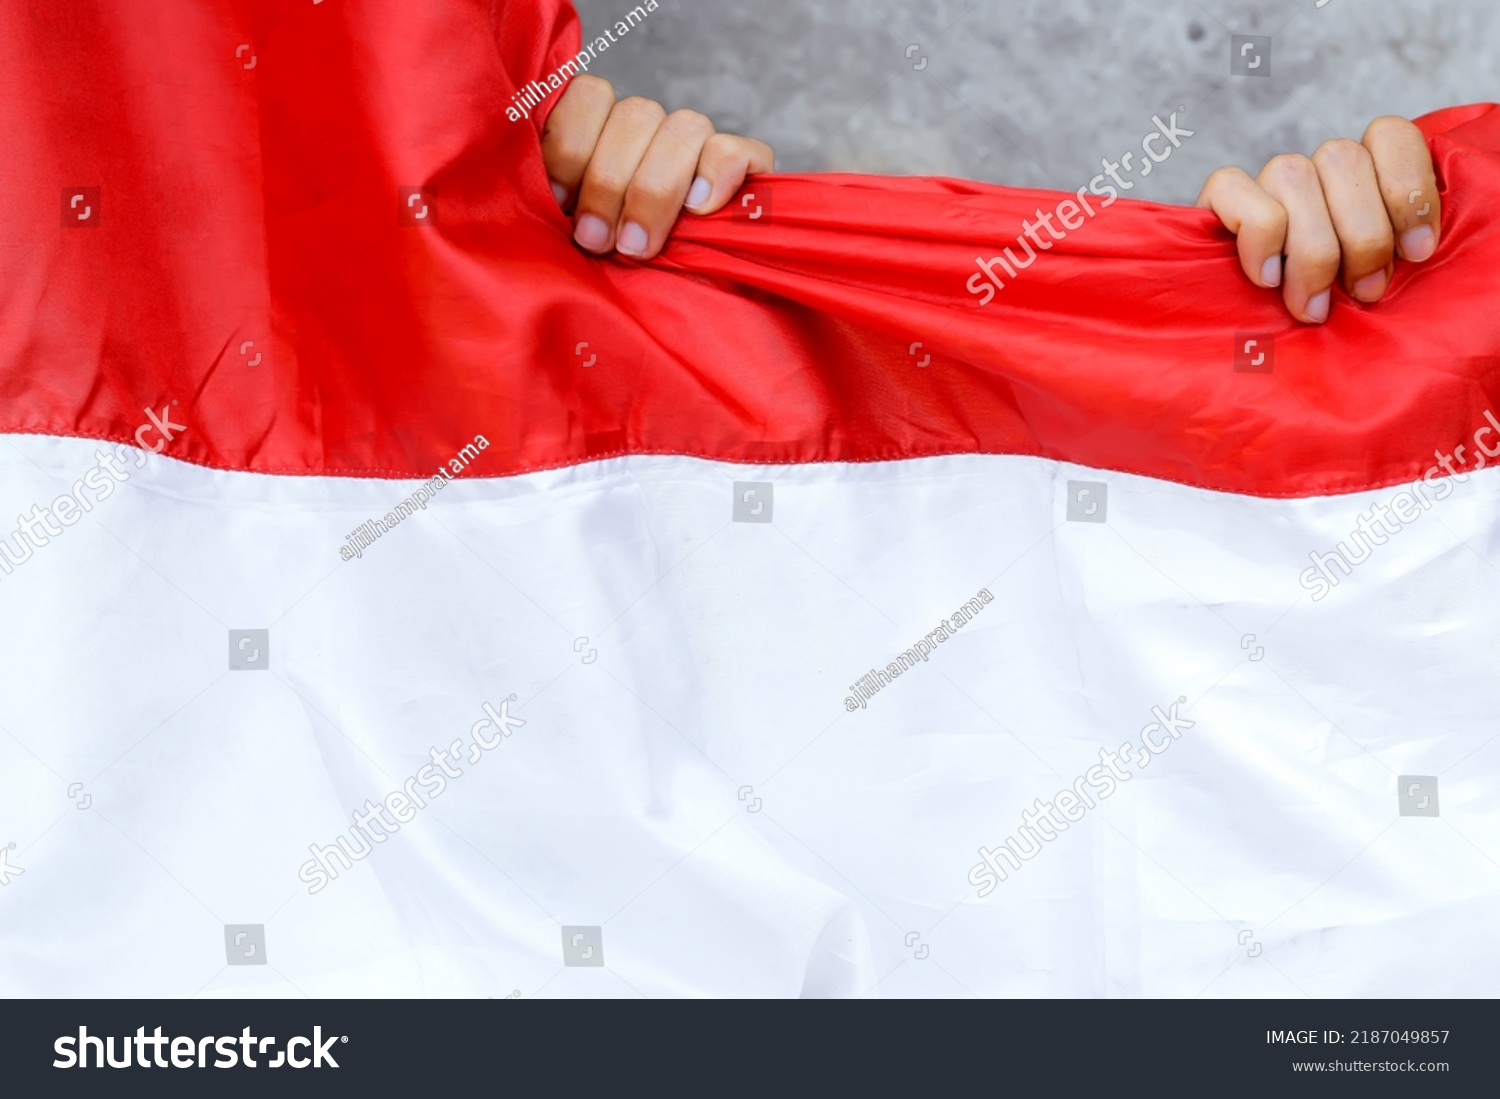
(633, 240)
(1419, 243)
(592, 232)
(1270, 272)
(560, 193)
(1370, 287)
(1317, 306)
(699, 193)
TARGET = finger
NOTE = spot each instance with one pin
(1312, 247)
(1256, 219)
(572, 131)
(626, 137)
(1352, 194)
(661, 183)
(1403, 165)
(726, 161)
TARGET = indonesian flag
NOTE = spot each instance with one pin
(399, 602)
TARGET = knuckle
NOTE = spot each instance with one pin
(1290, 168)
(639, 107)
(595, 87)
(1269, 220)
(1340, 154)
(592, 80)
(688, 121)
(1322, 256)
(1229, 177)
(1370, 245)
(566, 150)
(648, 194)
(1390, 127)
(720, 146)
(606, 181)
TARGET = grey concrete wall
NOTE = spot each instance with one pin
(1034, 93)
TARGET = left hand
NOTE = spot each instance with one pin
(629, 168)
(1346, 213)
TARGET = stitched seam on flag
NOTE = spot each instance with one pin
(409, 475)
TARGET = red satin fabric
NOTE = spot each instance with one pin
(248, 203)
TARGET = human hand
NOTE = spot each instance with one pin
(627, 169)
(1347, 212)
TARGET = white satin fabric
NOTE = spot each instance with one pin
(688, 779)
